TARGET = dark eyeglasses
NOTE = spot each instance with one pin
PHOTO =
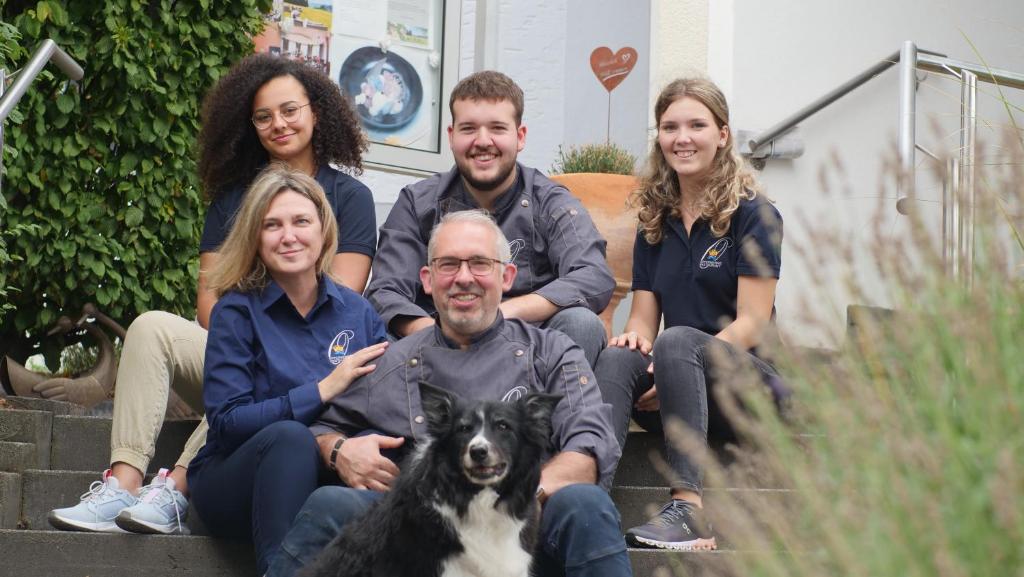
(290, 112)
(478, 265)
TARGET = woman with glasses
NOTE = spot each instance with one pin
(285, 338)
(265, 108)
(705, 265)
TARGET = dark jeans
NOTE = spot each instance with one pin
(255, 492)
(684, 371)
(579, 532)
(584, 328)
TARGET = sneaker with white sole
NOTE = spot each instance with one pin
(97, 509)
(679, 526)
(160, 509)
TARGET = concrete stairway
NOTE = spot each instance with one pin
(50, 452)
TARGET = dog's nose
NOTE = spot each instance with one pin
(478, 453)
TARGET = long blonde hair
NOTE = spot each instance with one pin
(730, 179)
(239, 266)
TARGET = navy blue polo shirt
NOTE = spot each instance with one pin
(350, 200)
(695, 277)
(264, 360)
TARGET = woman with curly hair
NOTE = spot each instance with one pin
(264, 109)
(706, 261)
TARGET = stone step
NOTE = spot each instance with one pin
(10, 500)
(28, 426)
(83, 443)
(662, 563)
(37, 404)
(70, 554)
(16, 457)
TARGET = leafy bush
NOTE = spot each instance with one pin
(605, 158)
(105, 168)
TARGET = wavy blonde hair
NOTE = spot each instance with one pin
(730, 180)
(239, 266)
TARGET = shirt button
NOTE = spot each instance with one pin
(519, 353)
(584, 380)
(573, 212)
(525, 203)
(413, 362)
(419, 419)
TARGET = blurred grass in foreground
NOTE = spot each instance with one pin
(905, 456)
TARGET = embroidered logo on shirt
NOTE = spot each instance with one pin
(339, 347)
(713, 255)
(514, 394)
(514, 246)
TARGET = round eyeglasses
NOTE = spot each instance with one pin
(290, 112)
(478, 265)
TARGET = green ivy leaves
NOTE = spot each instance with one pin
(100, 195)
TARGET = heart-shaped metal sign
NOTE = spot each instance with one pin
(612, 69)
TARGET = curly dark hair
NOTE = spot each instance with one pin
(230, 153)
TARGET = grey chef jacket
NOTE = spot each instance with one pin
(556, 247)
(508, 360)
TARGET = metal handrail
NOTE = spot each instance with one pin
(790, 122)
(46, 52)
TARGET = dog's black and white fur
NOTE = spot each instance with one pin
(464, 505)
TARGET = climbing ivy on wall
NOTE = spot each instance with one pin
(100, 179)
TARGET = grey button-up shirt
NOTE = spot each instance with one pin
(507, 361)
(555, 245)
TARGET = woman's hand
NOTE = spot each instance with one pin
(633, 341)
(351, 368)
(649, 400)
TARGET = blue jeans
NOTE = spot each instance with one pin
(579, 532)
(684, 373)
(255, 492)
(584, 328)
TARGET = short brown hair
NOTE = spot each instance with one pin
(488, 85)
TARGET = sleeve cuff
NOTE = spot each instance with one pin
(305, 401)
(592, 445)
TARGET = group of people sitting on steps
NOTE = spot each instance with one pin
(487, 280)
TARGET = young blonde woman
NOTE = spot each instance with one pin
(285, 338)
(264, 109)
(706, 262)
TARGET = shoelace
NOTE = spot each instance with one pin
(671, 512)
(150, 493)
(96, 490)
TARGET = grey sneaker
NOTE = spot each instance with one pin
(160, 509)
(679, 525)
(97, 509)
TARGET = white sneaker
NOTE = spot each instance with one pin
(160, 509)
(97, 509)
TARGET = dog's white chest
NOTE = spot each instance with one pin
(490, 539)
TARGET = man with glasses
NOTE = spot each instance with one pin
(474, 352)
(563, 280)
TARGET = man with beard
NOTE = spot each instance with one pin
(563, 280)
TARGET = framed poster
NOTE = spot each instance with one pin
(396, 60)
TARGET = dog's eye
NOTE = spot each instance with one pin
(502, 426)
(464, 428)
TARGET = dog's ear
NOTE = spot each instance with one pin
(437, 404)
(539, 407)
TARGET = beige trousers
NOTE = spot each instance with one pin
(161, 351)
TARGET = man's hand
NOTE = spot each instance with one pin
(649, 400)
(361, 466)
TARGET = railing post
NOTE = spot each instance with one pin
(3, 84)
(968, 130)
(951, 219)
(907, 111)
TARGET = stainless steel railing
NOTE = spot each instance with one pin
(958, 188)
(47, 51)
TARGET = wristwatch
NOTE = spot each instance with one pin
(331, 464)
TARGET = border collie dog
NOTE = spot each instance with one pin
(465, 502)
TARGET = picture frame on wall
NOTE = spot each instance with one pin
(396, 61)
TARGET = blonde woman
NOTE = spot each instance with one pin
(285, 338)
(706, 261)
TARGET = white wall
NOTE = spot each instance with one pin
(786, 53)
